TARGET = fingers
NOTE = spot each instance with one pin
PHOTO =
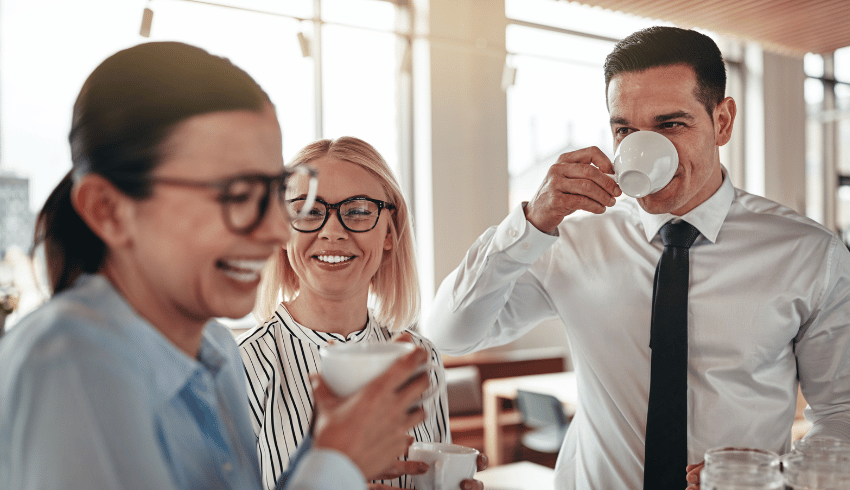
(482, 462)
(409, 442)
(399, 468)
(577, 181)
(585, 180)
(400, 373)
(323, 396)
(471, 485)
(591, 155)
(693, 475)
(591, 164)
(413, 390)
(404, 337)
(414, 417)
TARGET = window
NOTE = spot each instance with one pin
(827, 91)
(343, 79)
(556, 105)
(264, 45)
(355, 41)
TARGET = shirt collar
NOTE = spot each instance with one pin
(321, 338)
(168, 367)
(708, 217)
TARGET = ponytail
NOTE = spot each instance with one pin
(71, 248)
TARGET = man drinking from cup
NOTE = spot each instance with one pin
(692, 312)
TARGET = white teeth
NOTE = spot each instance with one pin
(333, 259)
(244, 270)
(242, 276)
(246, 265)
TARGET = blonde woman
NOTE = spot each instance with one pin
(348, 274)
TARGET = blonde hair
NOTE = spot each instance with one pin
(394, 289)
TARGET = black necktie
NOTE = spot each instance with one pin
(667, 416)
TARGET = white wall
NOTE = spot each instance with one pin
(784, 138)
(460, 128)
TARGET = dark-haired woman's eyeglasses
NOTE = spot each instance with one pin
(245, 198)
(357, 214)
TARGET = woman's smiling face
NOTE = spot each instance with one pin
(335, 263)
(185, 261)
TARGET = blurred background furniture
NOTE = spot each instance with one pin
(544, 415)
(562, 386)
(464, 390)
(465, 376)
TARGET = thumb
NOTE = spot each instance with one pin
(322, 394)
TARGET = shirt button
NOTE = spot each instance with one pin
(512, 233)
(526, 246)
(227, 467)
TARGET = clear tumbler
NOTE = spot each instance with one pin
(817, 470)
(729, 468)
(821, 444)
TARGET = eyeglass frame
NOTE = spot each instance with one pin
(223, 198)
(330, 207)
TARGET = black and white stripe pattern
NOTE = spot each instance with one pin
(279, 356)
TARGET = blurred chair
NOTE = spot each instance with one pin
(545, 415)
(464, 390)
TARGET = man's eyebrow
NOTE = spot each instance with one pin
(674, 115)
(618, 120)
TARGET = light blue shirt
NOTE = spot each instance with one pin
(93, 396)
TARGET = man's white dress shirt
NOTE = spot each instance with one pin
(767, 305)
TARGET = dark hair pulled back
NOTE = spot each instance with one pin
(663, 46)
(126, 110)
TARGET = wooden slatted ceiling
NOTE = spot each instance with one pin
(788, 26)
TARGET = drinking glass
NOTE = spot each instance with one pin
(817, 469)
(730, 468)
(821, 444)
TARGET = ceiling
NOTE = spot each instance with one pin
(787, 26)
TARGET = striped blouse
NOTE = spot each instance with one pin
(279, 355)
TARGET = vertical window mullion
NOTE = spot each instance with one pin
(318, 81)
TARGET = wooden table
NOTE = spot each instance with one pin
(523, 475)
(560, 385)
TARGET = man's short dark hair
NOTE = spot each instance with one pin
(664, 46)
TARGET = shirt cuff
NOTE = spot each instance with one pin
(521, 240)
(326, 469)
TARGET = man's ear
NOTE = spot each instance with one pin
(724, 120)
(104, 208)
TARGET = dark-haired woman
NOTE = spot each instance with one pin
(171, 209)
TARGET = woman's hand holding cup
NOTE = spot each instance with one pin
(370, 426)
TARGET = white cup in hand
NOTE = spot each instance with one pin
(347, 368)
(644, 163)
(449, 464)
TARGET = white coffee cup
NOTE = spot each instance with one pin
(644, 163)
(348, 367)
(448, 465)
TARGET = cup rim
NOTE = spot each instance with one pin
(360, 348)
(444, 447)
